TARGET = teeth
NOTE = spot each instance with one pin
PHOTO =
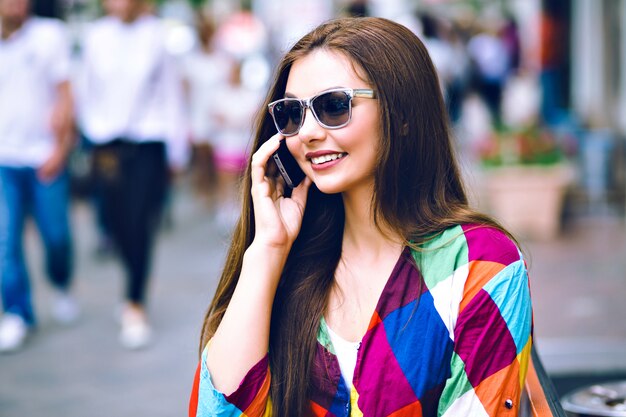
(326, 158)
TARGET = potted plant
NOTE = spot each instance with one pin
(526, 176)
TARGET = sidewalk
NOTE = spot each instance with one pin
(82, 370)
(578, 287)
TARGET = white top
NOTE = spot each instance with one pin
(490, 55)
(129, 86)
(346, 353)
(33, 62)
(236, 106)
(205, 74)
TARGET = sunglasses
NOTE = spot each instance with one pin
(331, 108)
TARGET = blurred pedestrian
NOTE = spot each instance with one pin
(448, 62)
(491, 67)
(131, 106)
(357, 8)
(374, 289)
(36, 137)
(233, 118)
(553, 56)
(206, 69)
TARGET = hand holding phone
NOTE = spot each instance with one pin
(288, 166)
(278, 209)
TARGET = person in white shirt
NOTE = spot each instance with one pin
(233, 118)
(131, 110)
(205, 69)
(36, 119)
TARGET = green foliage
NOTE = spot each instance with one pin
(529, 146)
(197, 4)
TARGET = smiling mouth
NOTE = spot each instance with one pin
(317, 160)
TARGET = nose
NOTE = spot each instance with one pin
(310, 130)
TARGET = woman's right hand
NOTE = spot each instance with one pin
(248, 315)
(277, 218)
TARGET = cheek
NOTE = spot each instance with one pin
(371, 143)
(366, 125)
(294, 146)
(367, 138)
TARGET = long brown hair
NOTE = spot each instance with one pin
(417, 191)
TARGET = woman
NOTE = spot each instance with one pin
(374, 289)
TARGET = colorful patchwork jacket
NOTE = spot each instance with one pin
(451, 336)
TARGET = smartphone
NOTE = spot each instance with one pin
(287, 165)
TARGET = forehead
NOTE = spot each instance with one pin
(321, 70)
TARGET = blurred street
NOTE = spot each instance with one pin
(82, 370)
(536, 84)
(578, 288)
(577, 282)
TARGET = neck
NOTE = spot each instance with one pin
(132, 16)
(361, 234)
(207, 47)
(10, 26)
(129, 20)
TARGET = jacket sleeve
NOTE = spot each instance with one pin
(493, 330)
(250, 399)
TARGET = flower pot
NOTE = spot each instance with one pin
(528, 200)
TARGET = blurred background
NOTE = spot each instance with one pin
(536, 94)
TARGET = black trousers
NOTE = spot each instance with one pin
(131, 182)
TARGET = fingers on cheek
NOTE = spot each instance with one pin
(262, 158)
(262, 155)
(256, 161)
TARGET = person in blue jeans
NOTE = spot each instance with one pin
(36, 117)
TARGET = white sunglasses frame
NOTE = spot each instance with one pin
(305, 103)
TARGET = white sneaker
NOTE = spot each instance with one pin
(13, 332)
(136, 332)
(65, 309)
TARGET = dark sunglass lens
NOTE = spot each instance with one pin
(288, 115)
(333, 109)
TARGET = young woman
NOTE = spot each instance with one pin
(374, 289)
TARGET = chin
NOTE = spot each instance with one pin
(327, 188)
(337, 185)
